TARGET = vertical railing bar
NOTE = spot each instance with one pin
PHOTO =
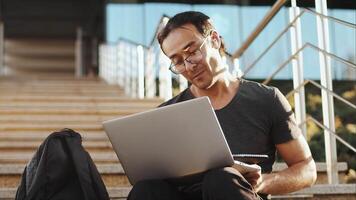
(297, 66)
(327, 100)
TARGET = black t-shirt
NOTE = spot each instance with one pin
(254, 121)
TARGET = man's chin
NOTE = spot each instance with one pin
(202, 85)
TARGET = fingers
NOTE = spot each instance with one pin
(253, 177)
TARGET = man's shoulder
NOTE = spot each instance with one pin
(258, 90)
(183, 96)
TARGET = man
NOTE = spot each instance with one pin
(255, 119)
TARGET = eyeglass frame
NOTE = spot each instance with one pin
(186, 59)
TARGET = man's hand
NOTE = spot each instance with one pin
(251, 172)
(254, 178)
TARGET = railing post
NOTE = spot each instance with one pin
(327, 99)
(150, 73)
(134, 71)
(298, 68)
(165, 77)
(113, 65)
(141, 73)
(103, 61)
(2, 44)
(120, 67)
(127, 69)
(79, 68)
(110, 66)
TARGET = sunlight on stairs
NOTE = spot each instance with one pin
(33, 107)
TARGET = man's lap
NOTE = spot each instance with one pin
(217, 182)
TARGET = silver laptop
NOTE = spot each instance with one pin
(168, 142)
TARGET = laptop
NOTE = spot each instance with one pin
(169, 142)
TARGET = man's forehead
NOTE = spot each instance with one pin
(178, 38)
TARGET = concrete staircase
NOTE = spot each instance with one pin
(33, 107)
(39, 55)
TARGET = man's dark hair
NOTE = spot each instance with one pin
(201, 22)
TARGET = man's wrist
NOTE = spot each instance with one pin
(262, 186)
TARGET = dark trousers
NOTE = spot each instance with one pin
(218, 184)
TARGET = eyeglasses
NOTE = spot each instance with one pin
(178, 66)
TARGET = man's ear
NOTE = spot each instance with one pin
(215, 39)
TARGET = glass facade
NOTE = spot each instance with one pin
(138, 22)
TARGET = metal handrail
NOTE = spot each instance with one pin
(345, 23)
(153, 38)
(304, 10)
(259, 28)
(133, 42)
(273, 43)
(330, 131)
(348, 63)
(334, 94)
(290, 93)
(159, 25)
(284, 64)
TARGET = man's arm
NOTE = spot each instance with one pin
(301, 171)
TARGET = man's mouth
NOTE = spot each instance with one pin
(197, 75)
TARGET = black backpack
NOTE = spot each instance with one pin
(61, 170)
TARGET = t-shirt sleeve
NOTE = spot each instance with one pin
(284, 126)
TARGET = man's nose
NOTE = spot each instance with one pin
(190, 66)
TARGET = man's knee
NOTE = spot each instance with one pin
(153, 189)
(226, 183)
(221, 176)
(144, 189)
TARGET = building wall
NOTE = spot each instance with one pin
(138, 22)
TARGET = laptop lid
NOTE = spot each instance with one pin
(171, 141)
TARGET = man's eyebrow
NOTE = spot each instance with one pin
(184, 48)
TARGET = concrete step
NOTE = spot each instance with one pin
(322, 192)
(112, 174)
(47, 81)
(58, 88)
(86, 105)
(19, 136)
(50, 127)
(65, 78)
(56, 84)
(316, 192)
(31, 56)
(45, 119)
(59, 91)
(33, 145)
(32, 81)
(66, 112)
(72, 86)
(53, 62)
(80, 83)
(73, 110)
(43, 47)
(18, 157)
(17, 169)
(57, 94)
(117, 193)
(74, 98)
